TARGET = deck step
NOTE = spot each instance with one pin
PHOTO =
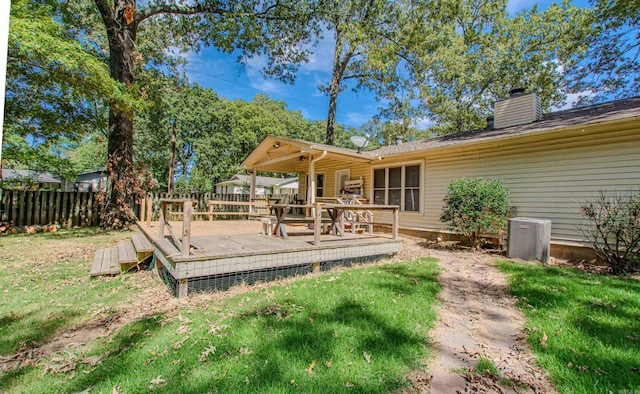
(96, 266)
(106, 262)
(126, 253)
(141, 243)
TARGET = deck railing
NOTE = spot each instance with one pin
(149, 208)
(80, 209)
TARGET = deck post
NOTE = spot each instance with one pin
(149, 210)
(163, 213)
(252, 192)
(315, 267)
(143, 208)
(183, 288)
(317, 223)
(394, 229)
(186, 227)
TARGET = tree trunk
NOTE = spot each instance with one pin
(122, 186)
(172, 164)
(331, 116)
(339, 67)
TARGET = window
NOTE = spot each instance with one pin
(342, 176)
(397, 186)
(319, 185)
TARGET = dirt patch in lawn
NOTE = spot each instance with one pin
(478, 320)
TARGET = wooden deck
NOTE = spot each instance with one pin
(239, 247)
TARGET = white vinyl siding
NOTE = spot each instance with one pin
(546, 175)
(329, 168)
(546, 181)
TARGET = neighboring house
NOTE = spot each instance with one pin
(91, 181)
(241, 184)
(287, 186)
(31, 180)
(548, 162)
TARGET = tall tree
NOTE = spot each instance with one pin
(466, 54)
(360, 30)
(274, 28)
(55, 89)
(611, 66)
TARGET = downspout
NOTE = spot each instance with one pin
(311, 195)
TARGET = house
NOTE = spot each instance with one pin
(91, 181)
(288, 186)
(548, 162)
(241, 184)
(31, 180)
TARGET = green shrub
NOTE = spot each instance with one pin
(474, 206)
(612, 227)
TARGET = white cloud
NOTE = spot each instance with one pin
(355, 118)
(515, 6)
(572, 99)
(321, 58)
(257, 80)
(422, 123)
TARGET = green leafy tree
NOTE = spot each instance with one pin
(214, 135)
(362, 32)
(276, 29)
(466, 54)
(611, 66)
(475, 206)
(385, 132)
(55, 90)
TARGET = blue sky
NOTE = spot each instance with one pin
(231, 80)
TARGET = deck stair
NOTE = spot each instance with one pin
(122, 257)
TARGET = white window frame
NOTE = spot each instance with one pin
(324, 184)
(403, 166)
(340, 173)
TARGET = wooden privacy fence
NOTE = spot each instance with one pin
(149, 209)
(68, 209)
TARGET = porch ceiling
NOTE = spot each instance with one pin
(278, 154)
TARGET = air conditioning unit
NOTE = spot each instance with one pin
(529, 239)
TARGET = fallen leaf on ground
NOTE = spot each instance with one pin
(156, 382)
(366, 356)
(311, 366)
(203, 356)
(543, 340)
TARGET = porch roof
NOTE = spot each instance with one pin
(280, 154)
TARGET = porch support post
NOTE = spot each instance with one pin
(312, 176)
(311, 193)
(252, 189)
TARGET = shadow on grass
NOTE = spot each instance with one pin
(286, 344)
(593, 324)
(406, 280)
(17, 331)
(127, 357)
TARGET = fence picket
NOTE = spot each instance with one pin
(69, 209)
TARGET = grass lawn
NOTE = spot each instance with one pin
(45, 285)
(362, 330)
(584, 328)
